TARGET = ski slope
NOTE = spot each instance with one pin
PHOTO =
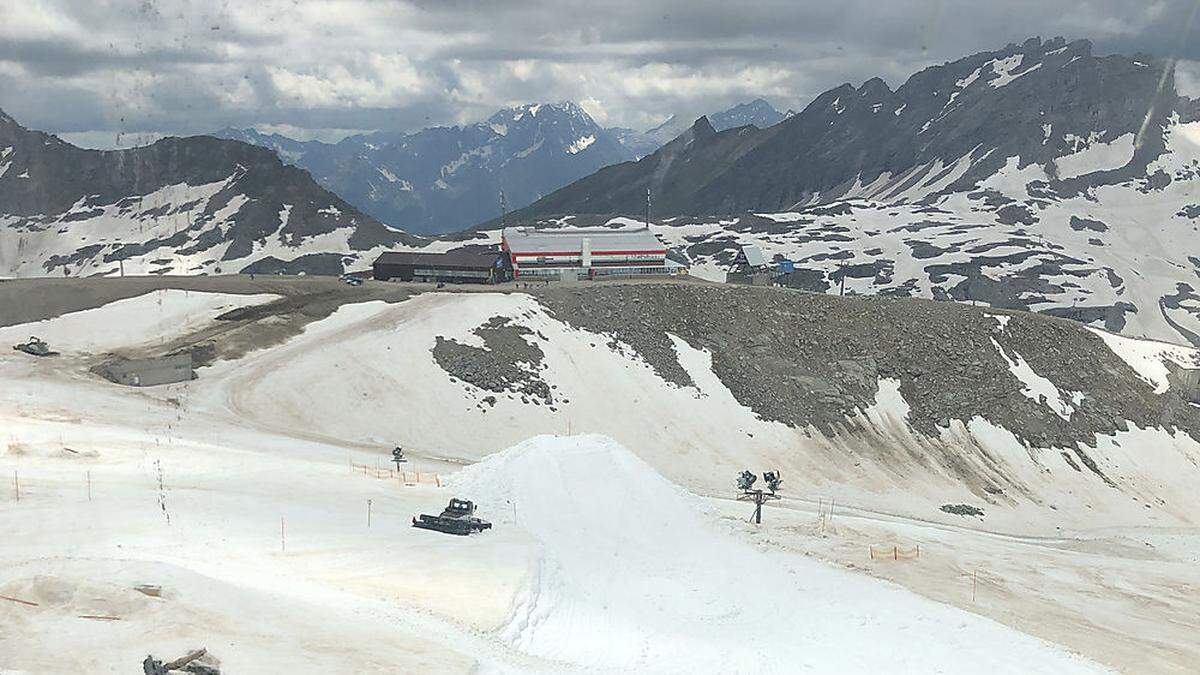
(235, 492)
(634, 576)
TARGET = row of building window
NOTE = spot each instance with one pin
(596, 271)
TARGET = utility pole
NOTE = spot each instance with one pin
(503, 209)
(647, 208)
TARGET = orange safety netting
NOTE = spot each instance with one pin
(894, 553)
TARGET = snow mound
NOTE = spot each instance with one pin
(634, 574)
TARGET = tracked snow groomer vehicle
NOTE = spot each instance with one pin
(457, 518)
(35, 347)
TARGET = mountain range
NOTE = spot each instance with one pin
(196, 205)
(1039, 176)
(445, 179)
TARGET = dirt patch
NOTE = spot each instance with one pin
(962, 510)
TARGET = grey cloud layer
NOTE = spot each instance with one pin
(181, 66)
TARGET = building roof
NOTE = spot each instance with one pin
(468, 257)
(570, 239)
(754, 255)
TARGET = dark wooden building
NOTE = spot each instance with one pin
(467, 265)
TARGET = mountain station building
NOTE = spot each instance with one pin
(573, 253)
(466, 265)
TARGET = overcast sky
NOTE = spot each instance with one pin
(114, 73)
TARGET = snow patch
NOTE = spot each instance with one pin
(581, 144)
(530, 150)
(1038, 388)
(1004, 70)
(1149, 358)
(149, 318)
(1095, 156)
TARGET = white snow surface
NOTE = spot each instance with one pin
(156, 316)
(635, 575)
(1097, 156)
(1149, 358)
(581, 144)
(1040, 389)
(597, 556)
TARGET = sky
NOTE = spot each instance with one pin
(114, 73)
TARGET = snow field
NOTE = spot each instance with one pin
(157, 316)
(633, 576)
(598, 559)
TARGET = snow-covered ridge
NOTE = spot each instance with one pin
(1119, 256)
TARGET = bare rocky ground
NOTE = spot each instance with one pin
(810, 359)
(506, 364)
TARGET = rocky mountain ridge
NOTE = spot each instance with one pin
(1038, 177)
(445, 179)
(195, 205)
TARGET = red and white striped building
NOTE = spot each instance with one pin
(590, 252)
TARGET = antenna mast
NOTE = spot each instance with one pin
(647, 208)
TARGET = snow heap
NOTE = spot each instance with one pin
(633, 574)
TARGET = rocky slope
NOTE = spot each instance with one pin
(957, 123)
(181, 206)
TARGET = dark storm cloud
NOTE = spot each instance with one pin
(186, 66)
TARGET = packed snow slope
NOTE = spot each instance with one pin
(239, 493)
(633, 575)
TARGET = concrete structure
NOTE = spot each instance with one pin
(469, 264)
(589, 253)
(1188, 381)
(150, 372)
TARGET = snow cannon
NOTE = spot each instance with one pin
(35, 347)
(457, 518)
(773, 480)
(746, 480)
